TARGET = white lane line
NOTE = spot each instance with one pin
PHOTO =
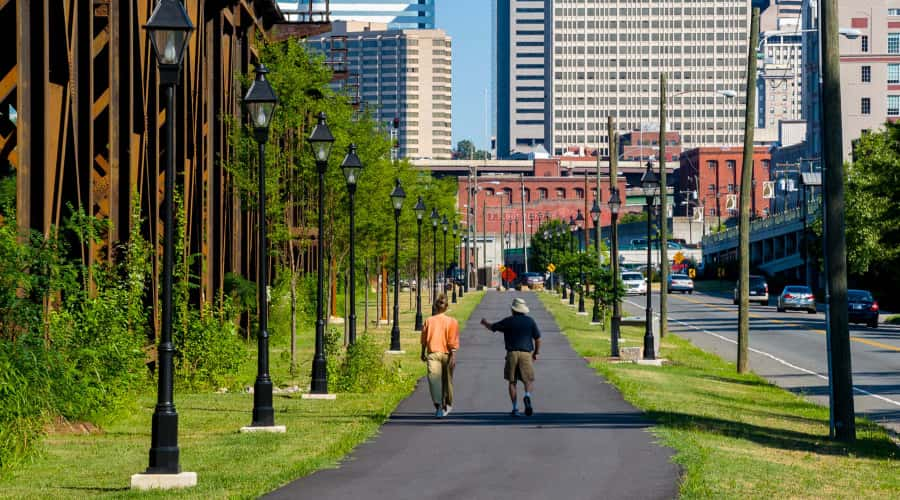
(776, 358)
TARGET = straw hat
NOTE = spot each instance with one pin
(518, 305)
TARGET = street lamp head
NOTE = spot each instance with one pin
(850, 33)
(419, 209)
(261, 100)
(321, 141)
(435, 217)
(351, 166)
(579, 219)
(445, 224)
(397, 196)
(595, 212)
(170, 29)
(455, 229)
(649, 181)
(572, 225)
(614, 201)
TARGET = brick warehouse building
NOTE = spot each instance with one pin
(708, 176)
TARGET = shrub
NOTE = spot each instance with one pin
(209, 351)
(363, 368)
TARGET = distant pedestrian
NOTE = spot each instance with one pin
(440, 340)
(523, 344)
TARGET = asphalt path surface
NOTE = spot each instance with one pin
(584, 441)
(789, 349)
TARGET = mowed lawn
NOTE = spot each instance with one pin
(228, 464)
(738, 436)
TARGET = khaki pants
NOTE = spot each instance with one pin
(440, 378)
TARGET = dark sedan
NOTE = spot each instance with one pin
(862, 308)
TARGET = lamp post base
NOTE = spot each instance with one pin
(329, 397)
(272, 429)
(163, 481)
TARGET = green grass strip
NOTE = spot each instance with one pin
(738, 436)
(228, 464)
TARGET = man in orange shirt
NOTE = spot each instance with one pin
(440, 340)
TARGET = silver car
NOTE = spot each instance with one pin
(797, 298)
(634, 283)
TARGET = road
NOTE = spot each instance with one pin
(584, 441)
(789, 349)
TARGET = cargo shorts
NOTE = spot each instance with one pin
(518, 366)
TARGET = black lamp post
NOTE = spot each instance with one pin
(573, 228)
(560, 236)
(435, 219)
(464, 240)
(397, 197)
(445, 225)
(420, 213)
(547, 238)
(260, 101)
(650, 185)
(579, 221)
(614, 204)
(595, 216)
(352, 166)
(321, 141)
(169, 29)
(455, 260)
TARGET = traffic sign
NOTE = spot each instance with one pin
(692, 273)
(508, 274)
(551, 268)
(678, 258)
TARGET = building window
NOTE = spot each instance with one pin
(560, 194)
(893, 43)
(712, 164)
(508, 193)
(730, 164)
(579, 193)
(864, 43)
(489, 192)
(866, 74)
(527, 195)
(542, 194)
(712, 212)
(893, 73)
(865, 106)
(893, 105)
(766, 164)
(731, 188)
(712, 188)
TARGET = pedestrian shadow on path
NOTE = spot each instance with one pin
(551, 420)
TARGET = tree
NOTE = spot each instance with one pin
(466, 150)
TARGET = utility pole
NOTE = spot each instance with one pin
(614, 234)
(524, 230)
(746, 176)
(843, 426)
(663, 211)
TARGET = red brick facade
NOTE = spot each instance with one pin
(548, 195)
(715, 173)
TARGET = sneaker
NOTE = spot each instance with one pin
(439, 413)
(447, 410)
(528, 409)
(514, 413)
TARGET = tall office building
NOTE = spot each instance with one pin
(520, 79)
(399, 14)
(780, 79)
(870, 70)
(606, 58)
(401, 74)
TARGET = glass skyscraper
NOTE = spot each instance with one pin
(399, 14)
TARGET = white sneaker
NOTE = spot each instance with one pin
(439, 413)
(447, 410)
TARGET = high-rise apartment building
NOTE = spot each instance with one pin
(521, 78)
(870, 70)
(606, 57)
(399, 14)
(402, 75)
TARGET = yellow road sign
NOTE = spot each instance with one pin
(551, 268)
(678, 258)
(692, 273)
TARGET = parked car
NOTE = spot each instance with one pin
(534, 281)
(862, 308)
(635, 284)
(759, 290)
(680, 283)
(798, 298)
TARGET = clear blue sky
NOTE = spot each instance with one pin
(468, 22)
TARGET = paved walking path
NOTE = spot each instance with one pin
(584, 441)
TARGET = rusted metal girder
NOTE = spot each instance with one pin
(89, 117)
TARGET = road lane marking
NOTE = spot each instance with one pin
(861, 340)
(776, 358)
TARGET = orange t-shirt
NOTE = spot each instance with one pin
(440, 334)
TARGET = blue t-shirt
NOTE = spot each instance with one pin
(519, 332)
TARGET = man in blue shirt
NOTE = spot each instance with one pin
(523, 345)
